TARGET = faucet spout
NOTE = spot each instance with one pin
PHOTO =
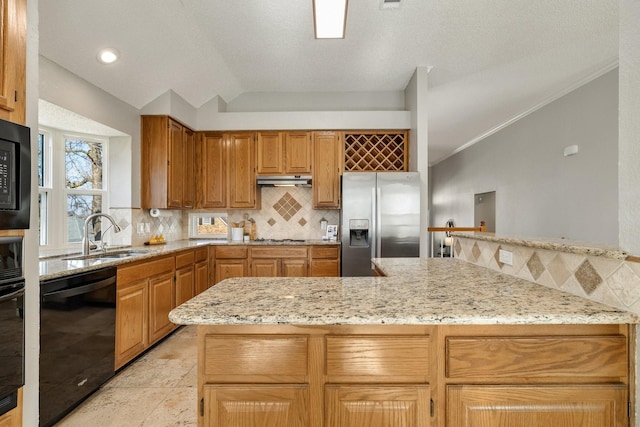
(85, 235)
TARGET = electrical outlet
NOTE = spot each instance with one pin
(140, 227)
(506, 257)
(147, 227)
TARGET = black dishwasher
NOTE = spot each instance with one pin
(77, 339)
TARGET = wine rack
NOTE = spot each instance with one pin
(376, 151)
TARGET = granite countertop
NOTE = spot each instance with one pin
(555, 244)
(57, 266)
(421, 291)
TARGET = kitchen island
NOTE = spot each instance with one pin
(437, 342)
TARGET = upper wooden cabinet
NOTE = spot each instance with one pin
(212, 170)
(284, 153)
(243, 192)
(13, 54)
(227, 170)
(327, 154)
(168, 170)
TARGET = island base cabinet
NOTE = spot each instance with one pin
(524, 406)
(388, 406)
(256, 405)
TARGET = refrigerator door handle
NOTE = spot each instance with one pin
(378, 232)
(372, 236)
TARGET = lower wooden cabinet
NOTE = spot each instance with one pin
(279, 261)
(161, 302)
(240, 405)
(145, 296)
(392, 405)
(325, 261)
(410, 375)
(132, 318)
(147, 291)
(523, 406)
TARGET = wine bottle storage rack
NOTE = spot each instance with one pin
(376, 151)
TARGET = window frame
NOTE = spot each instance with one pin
(56, 225)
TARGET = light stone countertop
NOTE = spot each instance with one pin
(554, 244)
(57, 266)
(418, 291)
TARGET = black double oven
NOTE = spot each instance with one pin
(15, 195)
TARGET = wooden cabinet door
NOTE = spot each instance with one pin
(132, 308)
(13, 54)
(270, 153)
(161, 302)
(227, 268)
(297, 149)
(202, 276)
(256, 405)
(293, 268)
(524, 406)
(242, 170)
(389, 406)
(326, 170)
(265, 268)
(325, 268)
(185, 284)
(212, 162)
(189, 175)
(175, 173)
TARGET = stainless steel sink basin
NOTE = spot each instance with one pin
(112, 255)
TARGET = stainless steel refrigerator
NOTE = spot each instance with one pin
(380, 218)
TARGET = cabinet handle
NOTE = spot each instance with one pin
(431, 406)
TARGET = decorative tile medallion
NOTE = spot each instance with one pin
(287, 206)
(271, 222)
(302, 222)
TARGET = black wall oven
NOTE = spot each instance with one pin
(11, 322)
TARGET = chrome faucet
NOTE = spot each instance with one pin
(85, 238)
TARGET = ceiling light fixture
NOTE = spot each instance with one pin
(108, 56)
(330, 18)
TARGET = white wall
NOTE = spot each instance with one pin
(539, 192)
(31, 271)
(629, 145)
(65, 89)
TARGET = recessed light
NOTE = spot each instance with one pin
(108, 56)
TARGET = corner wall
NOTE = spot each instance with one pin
(539, 192)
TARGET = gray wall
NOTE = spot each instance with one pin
(539, 192)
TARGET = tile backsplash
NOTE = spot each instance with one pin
(286, 214)
(607, 280)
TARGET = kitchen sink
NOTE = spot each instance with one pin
(112, 255)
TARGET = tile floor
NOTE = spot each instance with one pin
(158, 389)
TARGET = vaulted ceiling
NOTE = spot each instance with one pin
(492, 60)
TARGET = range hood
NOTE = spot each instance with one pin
(284, 180)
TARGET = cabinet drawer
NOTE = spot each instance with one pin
(572, 358)
(184, 258)
(231, 252)
(279, 252)
(378, 359)
(326, 252)
(130, 273)
(202, 254)
(257, 358)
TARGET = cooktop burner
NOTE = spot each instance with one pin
(280, 240)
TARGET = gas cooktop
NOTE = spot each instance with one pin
(280, 240)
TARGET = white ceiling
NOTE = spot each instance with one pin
(493, 60)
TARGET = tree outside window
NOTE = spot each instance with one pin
(83, 175)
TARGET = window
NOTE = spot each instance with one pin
(72, 184)
(208, 225)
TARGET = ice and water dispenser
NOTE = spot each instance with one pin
(359, 233)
